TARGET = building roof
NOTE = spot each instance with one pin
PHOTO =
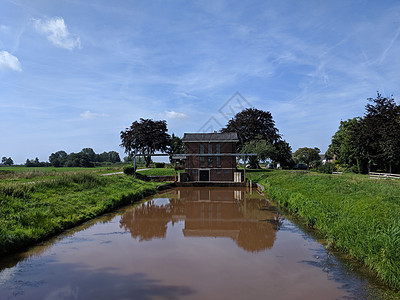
(210, 137)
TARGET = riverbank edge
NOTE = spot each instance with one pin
(125, 199)
(281, 195)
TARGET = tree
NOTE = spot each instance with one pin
(306, 155)
(35, 163)
(7, 161)
(58, 159)
(175, 146)
(251, 124)
(342, 145)
(262, 148)
(145, 137)
(378, 135)
(88, 154)
(113, 157)
(283, 154)
(73, 160)
(372, 141)
(375, 138)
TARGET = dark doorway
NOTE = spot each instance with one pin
(204, 175)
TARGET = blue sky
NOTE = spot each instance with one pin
(73, 74)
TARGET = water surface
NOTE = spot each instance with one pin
(187, 243)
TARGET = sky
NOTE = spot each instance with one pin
(74, 74)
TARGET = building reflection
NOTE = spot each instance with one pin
(250, 221)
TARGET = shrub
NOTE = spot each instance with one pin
(160, 165)
(129, 170)
(327, 168)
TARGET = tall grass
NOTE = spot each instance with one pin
(30, 212)
(356, 214)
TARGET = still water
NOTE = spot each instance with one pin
(187, 243)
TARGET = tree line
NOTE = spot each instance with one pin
(371, 142)
(85, 158)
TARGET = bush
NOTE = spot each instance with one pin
(327, 168)
(129, 170)
(160, 165)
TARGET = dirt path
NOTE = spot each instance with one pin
(118, 173)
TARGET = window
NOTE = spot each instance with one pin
(201, 157)
(218, 150)
(210, 159)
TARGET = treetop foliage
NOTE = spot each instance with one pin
(257, 134)
(86, 158)
(306, 155)
(7, 161)
(371, 142)
(145, 137)
(252, 124)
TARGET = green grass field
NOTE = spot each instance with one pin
(159, 172)
(24, 174)
(30, 212)
(356, 214)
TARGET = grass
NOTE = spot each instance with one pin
(158, 172)
(24, 174)
(356, 214)
(30, 212)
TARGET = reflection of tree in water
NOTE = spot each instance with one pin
(251, 223)
(147, 221)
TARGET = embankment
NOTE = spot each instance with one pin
(32, 212)
(358, 215)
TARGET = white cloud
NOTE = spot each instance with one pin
(91, 115)
(57, 32)
(175, 115)
(4, 28)
(9, 61)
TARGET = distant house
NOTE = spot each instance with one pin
(202, 167)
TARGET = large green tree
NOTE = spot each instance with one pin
(58, 158)
(262, 148)
(306, 155)
(283, 154)
(373, 141)
(342, 146)
(7, 161)
(146, 137)
(253, 124)
(175, 146)
(257, 134)
(377, 137)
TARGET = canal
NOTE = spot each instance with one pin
(188, 243)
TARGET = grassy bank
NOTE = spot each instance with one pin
(30, 212)
(158, 172)
(356, 214)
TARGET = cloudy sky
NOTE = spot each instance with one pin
(73, 73)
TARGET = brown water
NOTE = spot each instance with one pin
(187, 244)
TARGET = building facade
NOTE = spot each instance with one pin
(202, 167)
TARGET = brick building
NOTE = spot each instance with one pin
(213, 167)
